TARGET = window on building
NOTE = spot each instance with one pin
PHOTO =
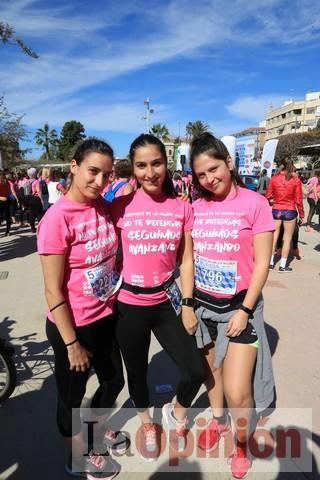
(169, 151)
(311, 110)
(297, 111)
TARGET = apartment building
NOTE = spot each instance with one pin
(294, 116)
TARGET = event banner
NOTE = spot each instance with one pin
(268, 154)
(245, 149)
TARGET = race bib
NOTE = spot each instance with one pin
(175, 297)
(104, 280)
(216, 276)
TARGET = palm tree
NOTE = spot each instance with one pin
(194, 129)
(46, 138)
(160, 131)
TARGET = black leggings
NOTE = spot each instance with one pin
(5, 211)
(35, 210)
(312, 209)
(99, 338)
(134, 327)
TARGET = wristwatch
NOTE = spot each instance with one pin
(188, 302)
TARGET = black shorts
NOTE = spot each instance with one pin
(248, 336)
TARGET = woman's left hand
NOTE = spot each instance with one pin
(189, 320)
(237, 324)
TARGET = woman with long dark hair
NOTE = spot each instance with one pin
(77, 244)
(155, 230)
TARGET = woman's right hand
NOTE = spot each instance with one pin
(79, 357)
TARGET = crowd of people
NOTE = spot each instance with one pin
(26, 196)
(110, 242)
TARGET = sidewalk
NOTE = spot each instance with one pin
(31, 448)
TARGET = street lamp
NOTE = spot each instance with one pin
(147, 114)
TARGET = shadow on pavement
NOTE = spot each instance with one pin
(18, 246)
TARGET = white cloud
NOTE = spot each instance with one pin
(255, 108)
(79, 50)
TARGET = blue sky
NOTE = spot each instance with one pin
(220, 62)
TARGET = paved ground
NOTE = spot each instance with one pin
(30, 447)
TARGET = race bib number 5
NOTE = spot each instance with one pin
(104, 280)
(216, 276)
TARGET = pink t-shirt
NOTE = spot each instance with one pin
(151, 233)
(223, 240)
(85, 234)
(34, 186)
(312, 182)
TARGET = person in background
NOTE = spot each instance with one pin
(35, 199)
(121, 185)
(4, 201)
(285, 192)
(312, 198)
(44, 179)
(55, 188)
(263, 182)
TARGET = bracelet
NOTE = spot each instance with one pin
(249, 311)
(58, 305)
(71, 343)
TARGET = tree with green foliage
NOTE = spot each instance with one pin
(11, 132)
(160, 131)
(290, 145)
(8, 36)
(71, 134)
(48, 139)
(194, 129)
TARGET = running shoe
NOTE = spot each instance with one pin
(297, 254)
(285, 269)
(116, 442)
(271, 267)
(209, 438)
(147, 444)
(95, 466)
(177, 429)
(239, 463)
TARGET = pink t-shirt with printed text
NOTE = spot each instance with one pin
(151, 233)
(85, 234)
(223, 240)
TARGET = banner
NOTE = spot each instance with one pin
(230, 143)
(246, 149)
(268, 155)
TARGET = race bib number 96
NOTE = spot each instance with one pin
(216, 276)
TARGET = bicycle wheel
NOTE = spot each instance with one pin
(8, 375)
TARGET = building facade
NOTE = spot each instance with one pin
(294, 116)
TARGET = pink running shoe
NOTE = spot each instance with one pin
(209, 438)
(147, 444)
(239, 463)
(177, 429)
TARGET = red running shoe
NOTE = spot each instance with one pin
(239, 463)
(209, 438)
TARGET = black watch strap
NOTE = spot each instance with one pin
(249, 311)
(188, 302)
